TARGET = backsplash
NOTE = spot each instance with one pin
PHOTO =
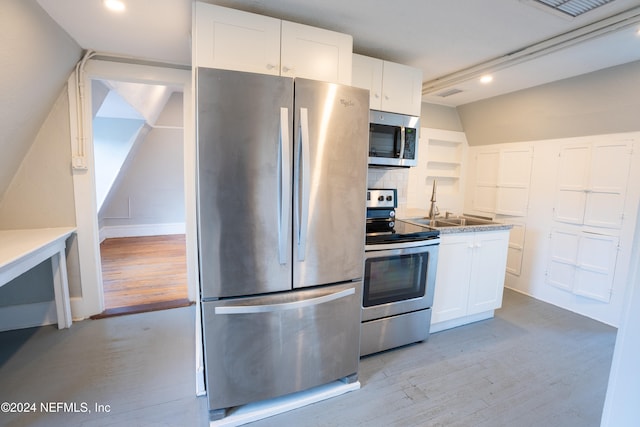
(391, 178)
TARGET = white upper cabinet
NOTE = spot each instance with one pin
(392, 87)
(367, 74)
(316, 54)
(235, 40)
(592, 184)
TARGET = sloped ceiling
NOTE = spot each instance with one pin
(443, 38)
(36, 59)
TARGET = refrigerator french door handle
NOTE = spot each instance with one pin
(402, 141)
(272, 308)
(284, 194)
(303, 182)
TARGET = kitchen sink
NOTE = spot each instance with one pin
(462, 221)
(431, 223)
(457, 221)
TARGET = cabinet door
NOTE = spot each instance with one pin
(316, 54)
(367, 74)
(573, 176)
(516, 248)
(607, 184)
(596, 265)
(563, 258)
(234, 40)
(485, 191)
(583, 263)
(452, 277)
(401, 89)
(487, 271)
(513, 181)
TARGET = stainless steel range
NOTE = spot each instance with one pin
(399, 278)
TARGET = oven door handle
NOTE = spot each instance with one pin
(404, 246)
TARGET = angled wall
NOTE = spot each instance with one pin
(148, 195)
(602, 102)
(36, 58)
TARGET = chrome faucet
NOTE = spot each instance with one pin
(433, 210)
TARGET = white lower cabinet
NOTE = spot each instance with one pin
(470, 277)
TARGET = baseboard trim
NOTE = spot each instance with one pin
(139, 230)
(28, 315)
(268, 408)
(465, 320)
(143, 308)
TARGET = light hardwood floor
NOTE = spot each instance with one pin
(532, 365)
(144, 272)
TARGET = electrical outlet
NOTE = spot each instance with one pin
(79, 163)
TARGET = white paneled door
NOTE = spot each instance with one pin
(502, 181)
(583, 263)
(486, 185)
(592, 184)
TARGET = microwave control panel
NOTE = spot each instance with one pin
(410, 143)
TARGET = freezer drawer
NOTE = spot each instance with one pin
(262, 347)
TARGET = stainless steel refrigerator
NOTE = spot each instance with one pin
(282, 167)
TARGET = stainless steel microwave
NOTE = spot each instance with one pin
(393, 139)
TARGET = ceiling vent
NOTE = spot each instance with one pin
(448, 92)
(572, 8)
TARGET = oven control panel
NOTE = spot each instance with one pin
(382, 198)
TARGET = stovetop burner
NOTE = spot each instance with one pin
(402, 232)
(382, 225)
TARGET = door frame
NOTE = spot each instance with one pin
(91, 300)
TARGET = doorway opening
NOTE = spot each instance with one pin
(138, 145)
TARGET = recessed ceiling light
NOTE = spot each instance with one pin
(114, 5)
(486, 79)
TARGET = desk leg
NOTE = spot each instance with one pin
(61, 289)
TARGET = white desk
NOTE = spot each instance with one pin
(21, 250)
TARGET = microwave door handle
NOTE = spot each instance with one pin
(402, 132)
(284, 193)
(303, 177)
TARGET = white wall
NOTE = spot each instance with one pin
(440, 117)
(113, 139)
(539, 224)
(148, 195)
(413, 194)
(621, 407)
(602, 102)
(41, 195)
(448, 147)
(151, 188)
(36, 57)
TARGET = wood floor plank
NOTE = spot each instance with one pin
(138, 271)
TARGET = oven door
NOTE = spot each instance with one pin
(399, 280)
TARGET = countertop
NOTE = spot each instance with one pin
(493, 225)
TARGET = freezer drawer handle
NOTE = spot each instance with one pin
(284, 194)
(272, 308)
(303, 178)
